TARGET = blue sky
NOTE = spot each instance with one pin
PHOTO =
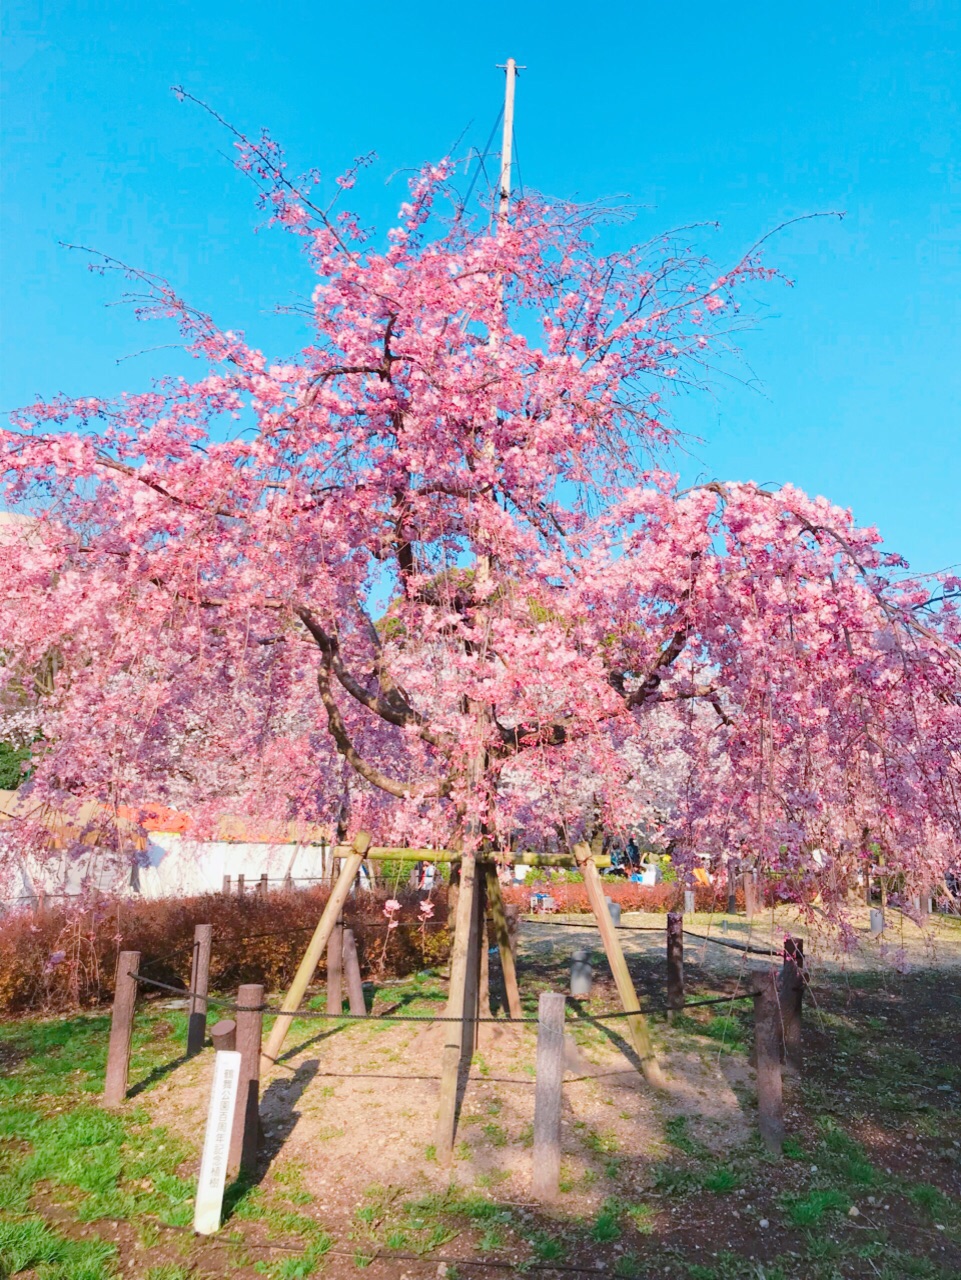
(748, 115)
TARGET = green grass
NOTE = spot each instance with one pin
(31, 1245)
(100, 1164)
(809, 1209)
(607, 1224)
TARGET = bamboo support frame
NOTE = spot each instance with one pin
(459, 1035)
(637, 1024)
(352, 858)
(524, 858)
(499, 918)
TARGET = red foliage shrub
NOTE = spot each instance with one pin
(572, 897)
(66, 957)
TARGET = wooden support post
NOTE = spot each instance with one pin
(637, 1025)
(472, 981)
(315, 949)
(121, 1029)
(223, 1034)
(460, 1034)
(240, 886)
(226, 887)
(501, 927)
(548, 1094)
(263, 884)
(246, 1131)
(750, 894)
(335, 969)
(792, 1000)
(288, 883)
(355, 987)
(731, 890)
(767, 1049)
(675, 963)
(199, 981)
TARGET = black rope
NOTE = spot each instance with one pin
(591, 920)
(735, 946)
(302, 1014)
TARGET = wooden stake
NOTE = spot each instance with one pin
(355, 987)
(767, 1049)
(675, 962)
(637, 1024)
(246, 1130)
(731, 890)
(502, 934)
(548, 1095)
(223, 1034)
(792, 1002)
(335, 969)
(225, 890)
(315, 949)
(121, 1029)
(240, 886)
(264, 884)
(459, 1034)
(199, 980)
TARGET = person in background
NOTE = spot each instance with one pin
(633, 855)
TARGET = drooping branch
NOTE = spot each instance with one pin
(376, 777)
(389, 705)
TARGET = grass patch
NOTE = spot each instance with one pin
(809, 1209)
(31, 1245)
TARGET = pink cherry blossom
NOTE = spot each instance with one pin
(432, 576)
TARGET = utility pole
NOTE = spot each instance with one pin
(508, 141)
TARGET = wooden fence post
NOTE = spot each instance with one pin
(240, 886)
(199, 982)
(731, 890)
(335, 969)
(792, 1000)
(121, 1029)
(223, 1034)
(767, 1050)
(288, 883)
(355, 987)
(675, 963)
(263, 883)
(548, 1093)
(225, 890)
(246, 1130)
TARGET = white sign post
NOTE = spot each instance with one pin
(213, 1162)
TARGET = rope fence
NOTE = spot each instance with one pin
(322, 1015)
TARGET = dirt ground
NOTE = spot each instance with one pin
(348, 1116)
(653, 1184)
